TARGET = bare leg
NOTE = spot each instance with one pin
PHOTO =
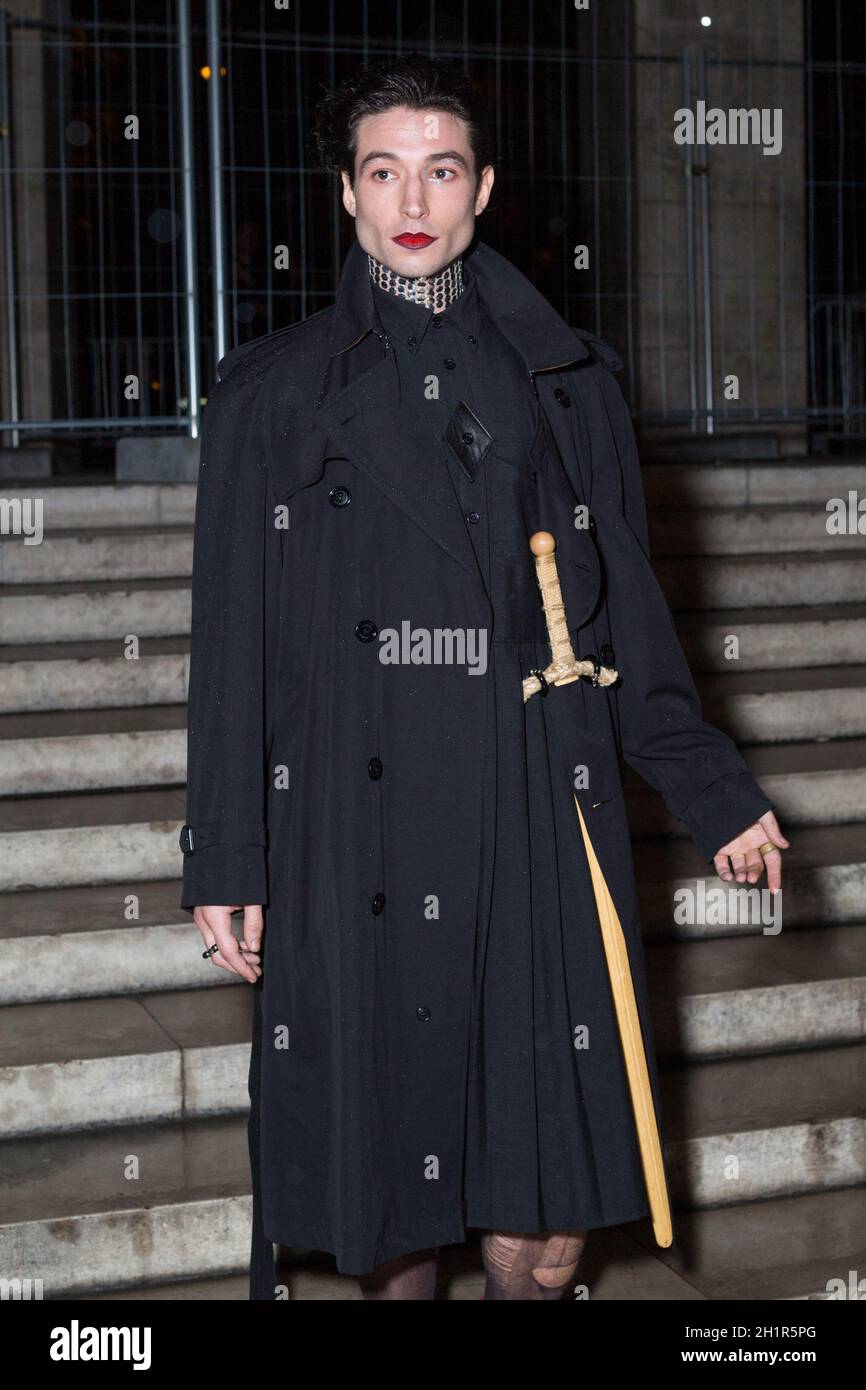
(407, 1276)
(528, 1266)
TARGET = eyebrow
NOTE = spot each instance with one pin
(388, 154)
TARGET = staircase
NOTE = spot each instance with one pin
(123, 1104)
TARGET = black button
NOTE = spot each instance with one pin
(377, 904)
(467, 437)
(374, 768)
(412, 342)
(608, 656)
(592, 526)
(533, 477)
(472, 338)
(437, 321)
(423, 1013)
(366, 630)
(562, 396)
(340, 496)
(473, 517)
(450, 363)
(185, 840)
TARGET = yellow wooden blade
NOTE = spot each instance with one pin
(631, 1037)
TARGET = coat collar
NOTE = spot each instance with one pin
(363, 419)
(540, 335)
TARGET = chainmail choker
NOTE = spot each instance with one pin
(434, 291)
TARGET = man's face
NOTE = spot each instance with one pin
(415, 176)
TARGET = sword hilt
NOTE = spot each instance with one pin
(564, 667)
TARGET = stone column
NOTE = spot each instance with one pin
(757, 214)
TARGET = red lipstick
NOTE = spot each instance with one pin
(414, 240)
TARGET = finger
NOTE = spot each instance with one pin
(228, 956)
(723, 867)
(235, 959)
(773, 863)
(253, 927)
(754, 865)
(769, 823)
(738, 864)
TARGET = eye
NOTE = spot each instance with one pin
(443, 170)
(376, 173)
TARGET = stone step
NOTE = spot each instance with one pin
(815, 783)
(93, 675)
(108, 505)
(84, 750)
(792, 1122)
(810, 1247)
(781, 639)
(100, 611)
(71, 1215)
(115, 1208)
(726, 530)
(72, 943)
(739, 996)
(809, 481)
(182, 1053)
(125, 1060)
(823, 881)
(90, 838)
(786, 705)
(69, 557)
(761, 581)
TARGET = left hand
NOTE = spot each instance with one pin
(740, 859)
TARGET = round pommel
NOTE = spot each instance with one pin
(542, 543)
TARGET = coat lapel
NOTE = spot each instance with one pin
(364, 419)
(365, 422)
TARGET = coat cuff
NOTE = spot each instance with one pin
(724, 810)
(224, 874)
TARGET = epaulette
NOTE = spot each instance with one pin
(601, 351)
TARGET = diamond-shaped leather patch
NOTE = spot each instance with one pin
(468, 438)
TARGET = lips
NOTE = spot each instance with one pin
(414, 240)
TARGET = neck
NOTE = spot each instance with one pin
(435, 291)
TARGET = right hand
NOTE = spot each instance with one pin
(238, 957)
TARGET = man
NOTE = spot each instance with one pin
(435, 1043)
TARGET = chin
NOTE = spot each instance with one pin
(411, 263)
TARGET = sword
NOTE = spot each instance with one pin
(564, 668)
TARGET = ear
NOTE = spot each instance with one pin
(485, 184)
(348, 194)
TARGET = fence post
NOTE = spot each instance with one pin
(691, 306)
(709, 395)
(214, 111)
(187, 193)
(7, 184)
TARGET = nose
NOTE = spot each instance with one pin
(414, 197)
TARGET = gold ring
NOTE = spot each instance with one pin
(766, 847)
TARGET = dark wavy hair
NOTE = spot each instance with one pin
(414, 80)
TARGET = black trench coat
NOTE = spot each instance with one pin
(354, 798)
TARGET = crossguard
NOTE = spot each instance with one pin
(564, 667)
